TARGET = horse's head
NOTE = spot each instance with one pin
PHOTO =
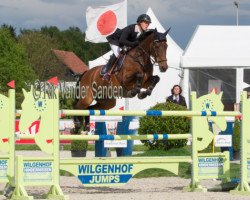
(159, 49)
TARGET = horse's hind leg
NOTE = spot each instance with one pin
(100, 105)
(150, 85)
(138, 85)
(78, 120)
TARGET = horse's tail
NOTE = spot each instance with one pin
(79, 77)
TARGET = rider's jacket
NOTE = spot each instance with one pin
(124, 37)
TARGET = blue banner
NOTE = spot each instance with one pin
(105, 179)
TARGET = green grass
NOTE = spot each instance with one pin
(139, 148)
(185, 151)
(234, 170)
(27, 147)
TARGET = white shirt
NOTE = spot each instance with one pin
(138, 30)
(176, 98)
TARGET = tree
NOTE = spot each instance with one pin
(13, 62)
(11, 29)
(40, 57)
(51, 31)
(38, 44)
(73, 40)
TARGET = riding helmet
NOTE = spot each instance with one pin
(144, 17)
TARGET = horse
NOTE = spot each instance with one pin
(136, 72)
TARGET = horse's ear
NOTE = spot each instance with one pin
(167, 31)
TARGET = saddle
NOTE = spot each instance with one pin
(114, 65)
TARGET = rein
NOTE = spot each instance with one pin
(153, 60)
(156, 55)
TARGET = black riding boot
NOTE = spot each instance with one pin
(108, 66)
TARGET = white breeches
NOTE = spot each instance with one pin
(116, 50)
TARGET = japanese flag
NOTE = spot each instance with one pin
(104, 20)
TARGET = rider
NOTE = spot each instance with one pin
(128, 37)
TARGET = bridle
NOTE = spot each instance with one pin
(156, 52)
(150, 55)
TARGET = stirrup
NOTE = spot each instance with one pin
(104, 70)
(102, 74)
(106, 77)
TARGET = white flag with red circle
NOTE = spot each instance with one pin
(104, 20)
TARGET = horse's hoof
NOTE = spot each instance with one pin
(142, 95)
(133, 92)
(138, 90)
(149, 92)
(130, 94)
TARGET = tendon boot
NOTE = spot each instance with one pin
(108, 66)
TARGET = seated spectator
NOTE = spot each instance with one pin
(176, 96)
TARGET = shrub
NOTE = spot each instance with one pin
(79, 145)
(19, 99)
(160, 125)
(65, 103)
(236, 135)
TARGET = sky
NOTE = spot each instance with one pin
(183, 16)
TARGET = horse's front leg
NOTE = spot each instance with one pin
(150, 85)
(138, 85)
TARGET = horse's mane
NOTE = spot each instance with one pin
(144, 35)
(157, 35)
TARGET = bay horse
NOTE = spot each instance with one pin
(136, 72)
